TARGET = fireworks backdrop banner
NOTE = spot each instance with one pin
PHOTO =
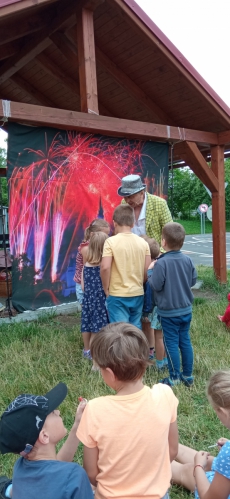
(59, 181)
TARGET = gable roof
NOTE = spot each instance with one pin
(140, 74)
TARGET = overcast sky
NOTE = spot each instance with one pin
(200, 30)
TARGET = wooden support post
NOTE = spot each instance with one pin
(218, 215)
(87, 62)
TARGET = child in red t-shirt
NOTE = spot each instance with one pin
(226, 317)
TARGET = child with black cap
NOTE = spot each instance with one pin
(32, 426)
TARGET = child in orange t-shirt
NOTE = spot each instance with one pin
(129, 438)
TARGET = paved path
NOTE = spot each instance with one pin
(199, 248)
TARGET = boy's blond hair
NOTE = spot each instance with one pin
(124, 215)
(218, 389)
(153, 246)
(174, 235)
(95, 249)
(96, 225)
(123, 348)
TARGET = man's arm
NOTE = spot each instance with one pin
(165, 216)
(173, 441)
(90, 460)
(105, 272)
(68, 450)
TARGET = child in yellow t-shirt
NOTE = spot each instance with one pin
(129, 438)
(124, 265)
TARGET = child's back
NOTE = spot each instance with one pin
(129, 437)
(127, 271)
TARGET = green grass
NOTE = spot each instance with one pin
(193, 226)
(36, 356)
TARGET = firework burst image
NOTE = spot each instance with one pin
(59, 181)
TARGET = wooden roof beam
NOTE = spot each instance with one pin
(189, 152)
(18, 28)
(224, 138)
(32, 91)
(129, 85)
(9, 49)
(87, 62)
(69, 50)
(73, 120)
(37, 44)
(22, 6)
(58, 74)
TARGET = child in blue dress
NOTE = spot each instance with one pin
(94, 313)
(199, 472)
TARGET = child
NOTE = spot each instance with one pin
(31, 426)
(226, 317)
(172, 278)
(210, 476)
(94, 313)
(150, 314)
(125, 261)
(131, 437)
(97, 225)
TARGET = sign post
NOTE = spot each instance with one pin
(202, 209)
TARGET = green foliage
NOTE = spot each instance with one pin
(3, 180)
(186, 192)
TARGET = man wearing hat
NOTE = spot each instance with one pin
(151, 212)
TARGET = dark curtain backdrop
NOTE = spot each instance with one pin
(59, 181)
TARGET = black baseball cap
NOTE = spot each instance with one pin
(24, 418)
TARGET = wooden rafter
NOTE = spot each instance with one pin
(22, 6)
(9, 49)
(58, 74)
(69, 50)
(32, 91)
(16, 29)
(36, 44)
(189, 152)
(224, 138)
(129, 85)
(87, 62)
(66, 47)
(74, 120)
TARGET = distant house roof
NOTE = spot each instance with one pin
(140, 73)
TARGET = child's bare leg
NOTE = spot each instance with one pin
(86, 340)
(159, 345)
(186, 456)
(182, 474)
(146, 328)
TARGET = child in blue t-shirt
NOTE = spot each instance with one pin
(201, 473)
(31, 426)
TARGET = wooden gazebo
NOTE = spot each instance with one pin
(103, 66)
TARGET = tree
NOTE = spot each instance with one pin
(186, 192)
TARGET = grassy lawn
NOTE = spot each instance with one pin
(36, 356)
(193, 226)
